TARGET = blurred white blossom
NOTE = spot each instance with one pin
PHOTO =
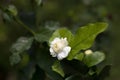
(59, 48)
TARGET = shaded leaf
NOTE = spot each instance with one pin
(39, 74)
(94, 58)
(105, 72)
(24, 60)
(12, 9)
(57, 68)
(28, 71)
(52, 25)
(74, 66)
(14, 59)
(7, 17)
(84, 37)
(21, 45)
(45, 62)
(79, 56)
(91, 72)
(75, 77)
(43, 35)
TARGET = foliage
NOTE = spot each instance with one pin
(82, 40)
(32, 50)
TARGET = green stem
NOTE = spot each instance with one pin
(23, 25)
(20, 22)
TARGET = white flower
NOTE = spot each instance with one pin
(59, 48)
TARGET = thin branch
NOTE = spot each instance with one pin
(20, 22)
(23, 25)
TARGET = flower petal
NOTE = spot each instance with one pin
(61, 56)
(55, 40)
(52, 53)
(67, 49)
(64, 53)
(59, 48)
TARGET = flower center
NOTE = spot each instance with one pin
(57, 47)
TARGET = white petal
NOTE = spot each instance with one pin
(52, 53)
(64, 53)
(61, 56)
(67, 49)
(65, 41)
(55, 40)
(51, 50)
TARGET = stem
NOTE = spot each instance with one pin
(22, 24)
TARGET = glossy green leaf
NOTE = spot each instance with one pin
(85, 37)
(21, 45)
(94, 58)
(57, 68)
(62, 33)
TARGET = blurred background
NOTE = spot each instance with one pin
(61, 13)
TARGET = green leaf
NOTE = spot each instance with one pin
(94, 58)
(75, 77)
(72, 77)
(79, 56)
(7, 17)
(12, 9)
(39, 74)
(62, 33)
(21, 45)
(57, 68)
(52, 25)
(24, 60)
(91, 72)
(14, 59)
(105, 72)
(43, 35)
(28, 71)
(85, 37)
(45, 62)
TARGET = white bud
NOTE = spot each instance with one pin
(87, 52)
